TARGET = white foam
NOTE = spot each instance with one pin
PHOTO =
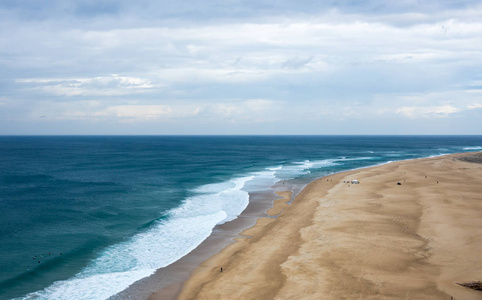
(473, 148)
(227, 197)
(214, 187)
(234, 201)
(296, 169)
(355, 158)
(187, 226)
(122, 264)
(262, 180)
(100, 286)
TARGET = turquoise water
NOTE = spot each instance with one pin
(84, 217)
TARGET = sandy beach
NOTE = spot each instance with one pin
(373, 240)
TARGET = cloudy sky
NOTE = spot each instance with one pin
(240, 67)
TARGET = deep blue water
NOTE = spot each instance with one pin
(112, 209)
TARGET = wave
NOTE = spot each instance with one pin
(473, 148)
(296, 169)
(356, 158)
(165, 242)
(171, 238)
(300, 168)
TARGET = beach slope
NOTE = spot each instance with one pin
(409, 230)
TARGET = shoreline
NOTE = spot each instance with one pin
(206, 278)
(264, 207)
(167, 282)
(149, 247)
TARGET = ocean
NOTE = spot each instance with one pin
(83, 217)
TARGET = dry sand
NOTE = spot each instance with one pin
(373, 240)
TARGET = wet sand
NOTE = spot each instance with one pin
(166, 283)
(373, 240)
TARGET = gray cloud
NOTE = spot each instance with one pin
(198, 10)
(205, 63)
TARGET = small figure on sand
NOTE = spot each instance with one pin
(221, 269)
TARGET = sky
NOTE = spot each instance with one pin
(240, 67)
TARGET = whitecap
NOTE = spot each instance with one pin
(473, 148)
(186, 226)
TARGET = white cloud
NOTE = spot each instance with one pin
(248, 109)
(255, 110)
(95, 110)
(333, 64)
(313, 44)
(427, 112)
(112, 85)
(429, 55)
(475, 106)
(145, 112)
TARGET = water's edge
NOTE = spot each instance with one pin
(155, 209)
(167, 282)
